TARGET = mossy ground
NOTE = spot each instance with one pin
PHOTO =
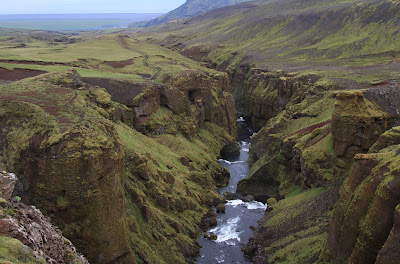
(12, 251)
(108, 56)
(175, 194)
(295, 229)
(351, 40)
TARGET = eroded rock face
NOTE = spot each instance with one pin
(357, 124)
(389, 252)
(196, 97)
(211, 92)
(267, 93)
(33, 229)
(363, 218)
(92, 201)
(7, 183)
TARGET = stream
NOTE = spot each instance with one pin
(233, 229)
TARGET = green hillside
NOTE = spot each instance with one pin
(342, 39)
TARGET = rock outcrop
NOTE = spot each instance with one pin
(193, 98)
(25, 230)
(314, 143)
(119, 194)
(266, 93)
(7, 183)
(363, 225)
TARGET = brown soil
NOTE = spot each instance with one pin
(309, 129)
(119, 64)
(32, 62)
(122, 42)
(18, 74)
(46, 101)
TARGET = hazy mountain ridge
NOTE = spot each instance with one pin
(192, 8)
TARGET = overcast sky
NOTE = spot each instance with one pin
(88, 6)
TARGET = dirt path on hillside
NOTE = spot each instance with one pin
(122, 42)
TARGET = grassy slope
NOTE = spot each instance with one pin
(176, 196)
(348, 40)
(156, 240)
(109, 56)
(336, 38)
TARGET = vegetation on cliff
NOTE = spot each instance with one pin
(320, 81)
(81, 159)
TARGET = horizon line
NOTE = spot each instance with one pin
(84, 13)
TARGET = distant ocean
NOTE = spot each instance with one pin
(73, 22)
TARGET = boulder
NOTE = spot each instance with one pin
(222, 177)
(7, 183)
(220, 208)
(230, 151)
(248, 198)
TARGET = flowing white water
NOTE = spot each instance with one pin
(233, 229)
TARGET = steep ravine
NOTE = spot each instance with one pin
(223, 243)
(142, 171)
(307, 155)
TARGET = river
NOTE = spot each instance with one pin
(233, 229)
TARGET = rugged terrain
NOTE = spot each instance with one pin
(319, 79)
(121, 135)
(26, 235)
(125, 167)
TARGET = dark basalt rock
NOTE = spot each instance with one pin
(230, 151)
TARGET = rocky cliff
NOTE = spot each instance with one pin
(26, 235)
(319, 79)
(314, 144)
(120, 195)
(363, 227)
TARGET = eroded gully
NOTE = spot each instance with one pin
(233, 230)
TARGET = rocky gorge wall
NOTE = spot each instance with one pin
(120, 195)
(314, 143)
(200, 96)
(312, 133)
(26, 235)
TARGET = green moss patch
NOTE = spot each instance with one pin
(12, 251)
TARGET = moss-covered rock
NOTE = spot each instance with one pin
(363, 218)
(389, 252)
(211, 92)
(294, 231)
(12, 251)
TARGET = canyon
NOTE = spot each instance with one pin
(121, 153)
